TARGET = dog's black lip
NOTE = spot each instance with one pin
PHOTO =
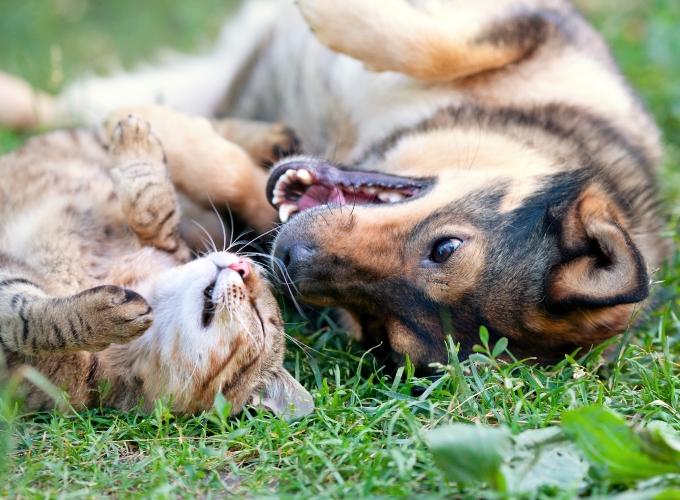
(334, 174)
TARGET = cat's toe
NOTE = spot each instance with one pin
(133, 142)
(117, 314)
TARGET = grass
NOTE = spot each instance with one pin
(366, 437)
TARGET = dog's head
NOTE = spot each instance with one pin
(472, 226)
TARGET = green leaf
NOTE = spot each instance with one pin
(222, 406)
(652, 494)
(484, 336)
(607, 440)
(480, 358)
(470, 454)
(500, 346)
(545, 457)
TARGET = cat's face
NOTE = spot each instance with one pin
(218, 328)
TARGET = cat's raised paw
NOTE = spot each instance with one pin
(133, 143)
(115, 315)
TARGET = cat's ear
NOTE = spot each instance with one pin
(284, 396)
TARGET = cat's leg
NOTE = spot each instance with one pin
(206, 167)
(443, 41)
(266, 143)
(142, 183)
(32, 323)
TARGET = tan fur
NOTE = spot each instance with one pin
(437, 44)
(519, 98)
(264, 142)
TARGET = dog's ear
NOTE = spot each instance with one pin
(603, 267)
(284, 396)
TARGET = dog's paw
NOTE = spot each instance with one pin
(320, 15)
(113, 315)
(281, 141)
(133, 143)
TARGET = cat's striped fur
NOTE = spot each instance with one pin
(97, 288)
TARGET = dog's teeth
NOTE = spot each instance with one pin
(369, 190)
(304, 176)
(390, 196)
(286, 210)
(276, 199)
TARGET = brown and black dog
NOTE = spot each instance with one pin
(470, 163)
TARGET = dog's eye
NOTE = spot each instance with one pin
(444, 249)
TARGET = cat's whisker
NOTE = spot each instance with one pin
(224, 230)
(191, 376)
(214, 247)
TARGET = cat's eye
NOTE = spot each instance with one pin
(443, 250)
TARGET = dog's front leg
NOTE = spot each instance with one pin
(456, 39)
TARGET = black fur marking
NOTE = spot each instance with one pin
(142, 192)
(24, 319)
(236, 378)
(131, 296)
(92, 374)
(259, 316)
(59, 335)
(74, 332)
(526, 32)
(568, 123)
(16, 299)
(16, 281)
(166, 218)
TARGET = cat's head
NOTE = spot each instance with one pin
(218, 328)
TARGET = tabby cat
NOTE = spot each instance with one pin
(97, 288)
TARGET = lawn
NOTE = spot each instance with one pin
(368, 437)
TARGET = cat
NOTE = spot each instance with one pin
(97, 288)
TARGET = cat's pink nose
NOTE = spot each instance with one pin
(242, 267)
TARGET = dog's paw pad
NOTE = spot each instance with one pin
(283, 142)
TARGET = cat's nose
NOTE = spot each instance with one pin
(242, 267)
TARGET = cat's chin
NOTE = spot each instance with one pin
(217, 328)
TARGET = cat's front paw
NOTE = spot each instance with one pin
(112, 314)
(133, 143)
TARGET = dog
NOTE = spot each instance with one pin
(465, 164)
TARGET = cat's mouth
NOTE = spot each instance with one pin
(298, 185)
(228, 290)
(209, 306)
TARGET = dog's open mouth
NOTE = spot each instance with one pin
(296, 186)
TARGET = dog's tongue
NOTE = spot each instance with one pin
(320, 195)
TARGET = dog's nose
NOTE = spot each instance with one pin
(293, 258)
